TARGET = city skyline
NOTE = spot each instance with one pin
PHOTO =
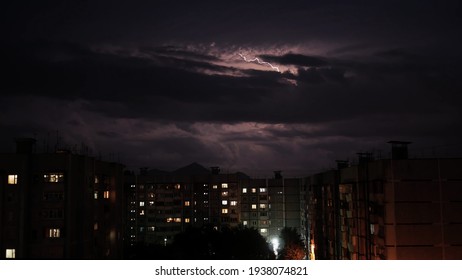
(251, 87)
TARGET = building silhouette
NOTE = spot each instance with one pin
(396, 208)
(162, 204)
(64, 205)
(59, 205)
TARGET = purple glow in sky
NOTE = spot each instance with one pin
(164, 83)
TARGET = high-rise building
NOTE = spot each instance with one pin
(163, 204)
(59, 205)
(396, 208)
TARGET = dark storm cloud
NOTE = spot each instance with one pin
(176, 51)
(297, 59)
(70, 71)
(162, 80)
(160, 86)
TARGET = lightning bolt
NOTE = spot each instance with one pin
(261, 62)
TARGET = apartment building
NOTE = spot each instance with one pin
(398, 208)
(163, 204)
(59, 205)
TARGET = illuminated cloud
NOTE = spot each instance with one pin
(163, 84)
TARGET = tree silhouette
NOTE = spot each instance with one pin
(292, 245)
(230, 243)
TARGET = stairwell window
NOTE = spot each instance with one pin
(53, 178)
(10, 254)
(53, 233)
(12, 179)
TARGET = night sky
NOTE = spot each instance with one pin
(162, 84)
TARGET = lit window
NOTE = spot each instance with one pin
(106, 194)
(53, 177)
(132, 186)
(254, 206)
(224, 186)
(177, 187)
(262, 206)
(169, 220)
(233, 203)
(177, 220)
(54, 233)
(263, 230)
(95, 194)
(96, 180)
(254, 190)
(225, 193)
(95, 226)
(224, 211)
(151, 195)
(224, 202)
(151, 203)
(262, 190)
(187, 203)
(12, 179)
(244, 190)
(186, 220)
(215, 187)
(244, 223)
(141, 212)
(151, 228)
(10, 253)
(141, 203)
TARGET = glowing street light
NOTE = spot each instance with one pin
(275, 243)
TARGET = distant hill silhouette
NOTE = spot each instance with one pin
(192, 169)
(188, 170)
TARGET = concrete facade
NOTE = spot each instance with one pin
(59, 206)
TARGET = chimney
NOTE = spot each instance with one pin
(399, 149)
(277, 174)
(25, 145)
